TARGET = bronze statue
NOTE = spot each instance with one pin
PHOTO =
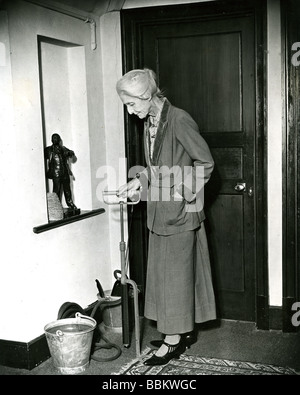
(58, 169)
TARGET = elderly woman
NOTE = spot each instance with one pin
(179, 291)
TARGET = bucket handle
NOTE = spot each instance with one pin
(60, 335)
(78, 315)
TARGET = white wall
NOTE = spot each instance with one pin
(113, 174)
(39, 272)
(275, 125)
(8, 175)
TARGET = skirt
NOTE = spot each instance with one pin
(179, 289)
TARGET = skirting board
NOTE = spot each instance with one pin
(27, 356)
(280, 318)
(275, 318)
(24, 355)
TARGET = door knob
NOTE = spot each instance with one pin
(240, 187)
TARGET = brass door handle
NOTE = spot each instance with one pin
(240, 187)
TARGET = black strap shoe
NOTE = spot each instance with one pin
(174, 351)
(189, 338)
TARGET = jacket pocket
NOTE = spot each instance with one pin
(174, 209)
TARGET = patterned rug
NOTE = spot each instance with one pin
(203, 366)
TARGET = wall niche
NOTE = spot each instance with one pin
(63, 90)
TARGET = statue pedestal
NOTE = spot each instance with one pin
(70, 212)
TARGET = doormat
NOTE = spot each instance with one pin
(202, 366)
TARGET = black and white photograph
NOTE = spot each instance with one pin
(150, 200)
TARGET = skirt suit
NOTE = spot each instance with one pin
(179, 289)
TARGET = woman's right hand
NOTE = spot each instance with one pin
(130, 189)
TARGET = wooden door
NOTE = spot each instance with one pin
(206, 65)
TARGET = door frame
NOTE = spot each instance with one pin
(131, 23)
(291, 201)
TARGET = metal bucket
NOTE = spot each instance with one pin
(112, 314)
(69, 341)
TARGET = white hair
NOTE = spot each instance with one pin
(139, 83)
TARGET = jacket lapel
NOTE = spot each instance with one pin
(161, 131)
(146, 144)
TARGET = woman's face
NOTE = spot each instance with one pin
(136, 106)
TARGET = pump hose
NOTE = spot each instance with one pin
(108, 345)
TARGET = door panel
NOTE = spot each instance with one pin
(211, 78)
(207, 67)
(227, 245)
(232, 162)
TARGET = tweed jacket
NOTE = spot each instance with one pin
(176, 173)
